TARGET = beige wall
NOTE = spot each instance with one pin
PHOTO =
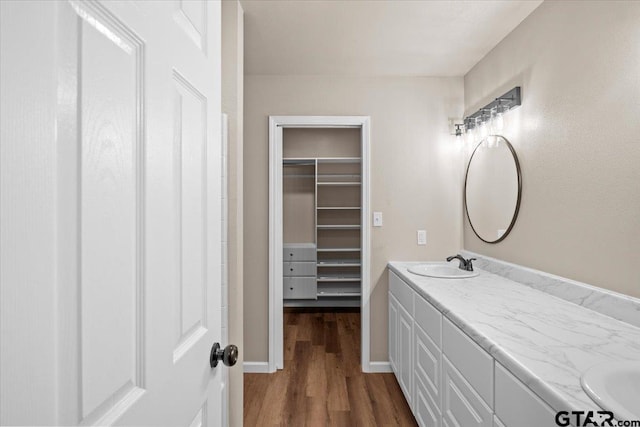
(415, 177)
(233, 105)
(577, 135)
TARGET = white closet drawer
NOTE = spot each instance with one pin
(429, 319)
(516, 405)
(461, 405)
(299, 269)
(475, 364)
(402, 292)
(300, 288)
(299, 253)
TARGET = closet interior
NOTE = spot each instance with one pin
(322, 201)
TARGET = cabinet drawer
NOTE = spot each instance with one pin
(428, 318)
(299, 253)
(299, 269)
(300, 288)
(427, 415)
(402, 292)
(427, 365)
(516, 405)
(461, 405)
(475, 364)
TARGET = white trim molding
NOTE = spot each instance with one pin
(380, 367)
(276, 327)
(256, 368)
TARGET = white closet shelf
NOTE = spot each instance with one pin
(339, 159)
(338, 249)
(299, 176)
(343, 184)
(338, 175)
(339, 278)
(338, 227)
(339, 263)
(339, 294)
(298, 161)
(338, 208)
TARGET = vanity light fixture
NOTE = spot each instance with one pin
(490, 118)
(459, 132)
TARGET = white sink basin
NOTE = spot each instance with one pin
(442, 270)
(615, 386)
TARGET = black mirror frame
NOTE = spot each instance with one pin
(517, 209)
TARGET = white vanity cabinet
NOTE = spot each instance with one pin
(447, 379)
(401, 339)
(414, 350)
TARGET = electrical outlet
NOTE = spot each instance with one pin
(377, 219)
(422, 237)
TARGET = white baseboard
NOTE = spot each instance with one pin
(379, 367)
(256, 367)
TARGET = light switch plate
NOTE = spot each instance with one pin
(422, 237)
(377, 219)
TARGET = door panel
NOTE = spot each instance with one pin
(191, 18)
(113, 290)
(190, 143)
(109, 205)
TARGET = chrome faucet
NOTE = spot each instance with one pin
(465, 264)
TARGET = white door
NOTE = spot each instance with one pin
(110, 244)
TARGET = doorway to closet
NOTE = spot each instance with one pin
(319, 222)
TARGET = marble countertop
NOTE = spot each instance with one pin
(543, 340)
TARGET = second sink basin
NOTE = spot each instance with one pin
(615, 386)
(441, 270)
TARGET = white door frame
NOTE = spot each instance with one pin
(276, 306)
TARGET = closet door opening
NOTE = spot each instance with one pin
(319, 228)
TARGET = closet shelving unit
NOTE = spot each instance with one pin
(338, 228)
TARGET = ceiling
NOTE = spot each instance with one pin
(354, 37)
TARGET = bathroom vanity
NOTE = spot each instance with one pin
(489, 351)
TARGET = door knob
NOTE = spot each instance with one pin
(228, 355)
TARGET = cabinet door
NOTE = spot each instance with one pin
(475, 364)
(405, 352)
(393, 333)
(461, 405)
(516, 405)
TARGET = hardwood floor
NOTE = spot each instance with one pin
(322, 383)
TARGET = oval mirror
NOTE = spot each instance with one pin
(492, 189)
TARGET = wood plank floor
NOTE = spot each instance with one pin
(322, 383)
